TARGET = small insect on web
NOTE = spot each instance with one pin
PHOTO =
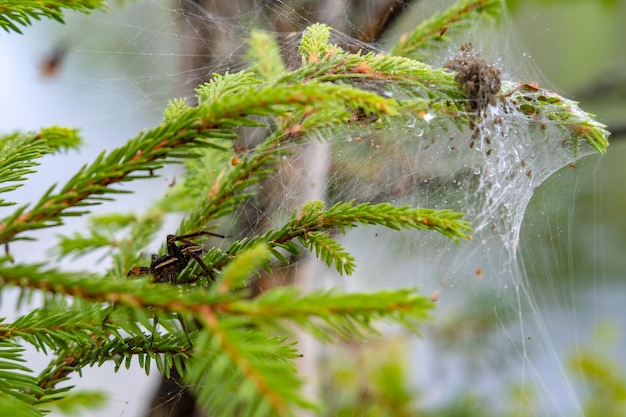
(166, 268)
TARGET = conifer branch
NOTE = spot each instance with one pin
(437, 31)
(259, 365)
(16, 380)
(18, 153)
(53, 331)
(12, 406)
(543, 106)
(101, 233)
(307, 227)
(203, 126)
(14, 12)
(327, 62)
(231, 184)
(237, 356)
(225, 316)
(264, 55)
(93, 287)
(167, 352)
(434, 90)
(329, 314)
(132, 293)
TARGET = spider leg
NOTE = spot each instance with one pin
(137, 271)
(108, 314)
(155, 323)
(198, 259)
(192, 235)
(184, 326)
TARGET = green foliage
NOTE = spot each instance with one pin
(14, 13)
(264, 55)
(516, 3)
(545, 105)
(74, 403)
(261, 368)
(368, 381)
(605, 383)
(242, 349)
(371, 380)
(437, 31)
(16, 379)
(18, 153)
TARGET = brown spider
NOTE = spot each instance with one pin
(167, 268)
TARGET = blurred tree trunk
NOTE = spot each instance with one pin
(212, 39)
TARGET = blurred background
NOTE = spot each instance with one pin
(112, 75)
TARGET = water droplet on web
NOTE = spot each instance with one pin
(416, 126)
(428, 117)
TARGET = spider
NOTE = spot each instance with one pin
(167, 268)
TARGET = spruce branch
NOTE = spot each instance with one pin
(264, 55)
(434, 90)
(542, 106)
(14, 12)
(203, 126)
(81, 244)
(327, 62)
(16, 380)
(260, 366)
(329, 314)
(231, 351)
(329, 251)
(12, 406)
(237, 356)
(134, 294)
(314, 221)
(437, 31)
(166, 352)
(102, 232)
(324, 107)
(347, 215)
(55, 329)
(19, 152)
(238, 272)
(73, 403)
(343, 216)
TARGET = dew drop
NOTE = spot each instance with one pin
(428, 117)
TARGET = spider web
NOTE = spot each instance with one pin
(122, 68)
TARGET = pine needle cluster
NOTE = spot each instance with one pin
(237, 353)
